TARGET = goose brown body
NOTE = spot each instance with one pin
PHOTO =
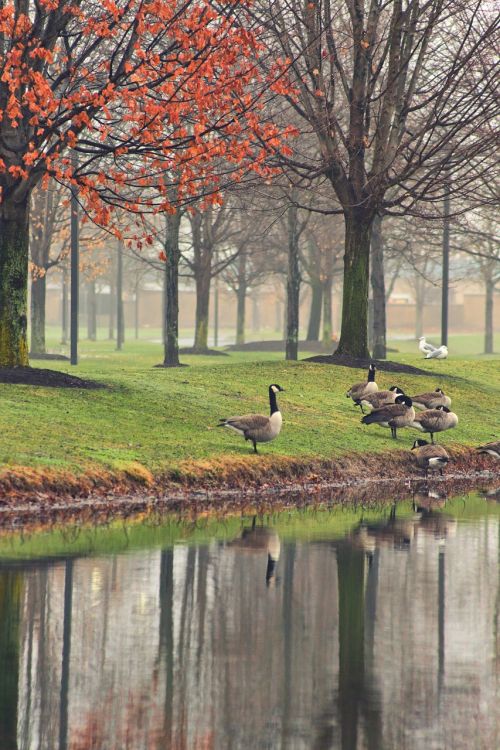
(431, 399)
(257, 427)
(435, 420)
(395, 416)
(493, 449)
(366, 387)
(379, 398)
(430, 456)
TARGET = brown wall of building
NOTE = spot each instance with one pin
(265, 311)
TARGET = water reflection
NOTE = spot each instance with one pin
(384, 638)
(258, 539)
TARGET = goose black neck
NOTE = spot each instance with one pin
(273, 402)
(371, 376)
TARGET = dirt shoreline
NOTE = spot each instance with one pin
(225, 485)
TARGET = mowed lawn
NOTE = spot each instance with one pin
(161, 417)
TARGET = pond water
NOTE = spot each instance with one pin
(321, 629)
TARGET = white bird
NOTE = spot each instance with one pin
(424, 346)
(439, 353)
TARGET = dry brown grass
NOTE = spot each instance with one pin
(234, 472)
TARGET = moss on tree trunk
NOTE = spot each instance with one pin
(354, 331)
(13, 283)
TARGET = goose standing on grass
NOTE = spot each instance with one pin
(379, 398)
(257, 427)
(493, 449)
(397, 415)
(358, 390)
(435, 420)
(425, 347)
(440, 353)
(431, 399)
(430, 456)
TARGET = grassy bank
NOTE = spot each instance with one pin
(154, 421)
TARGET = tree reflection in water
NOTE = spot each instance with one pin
(381, 639)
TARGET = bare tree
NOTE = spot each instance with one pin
(211, 229)
(48, 246)
(396, 94)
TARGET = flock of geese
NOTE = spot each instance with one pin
(390, 408)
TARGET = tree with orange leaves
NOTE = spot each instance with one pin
(138, 91)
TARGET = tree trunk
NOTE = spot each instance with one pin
(255, 313)
(38, 290)
(14, 241)
(65, 307)
(216, 311)
(120, 320)
(241, 296)
(378, 287)
(488, 317)
(315, 311)
(354, 329)
(171, 323)
(240, 312)
(91, 311)
(327, 311)
(202, 305)
(292, 286)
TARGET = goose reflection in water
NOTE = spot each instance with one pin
(399, 533)
(492, 494)
(392, 531)
(259, 539)
(427, 505)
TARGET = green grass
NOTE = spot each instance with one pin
(460, 345)
(160, 417)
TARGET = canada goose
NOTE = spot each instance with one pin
(440, 353)
(358, 390)
(431, 399)
(492, 448)
(379, 398)
(424, 346)
(430, 456)
(257, 427)
(397, 415)
(435, 420)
